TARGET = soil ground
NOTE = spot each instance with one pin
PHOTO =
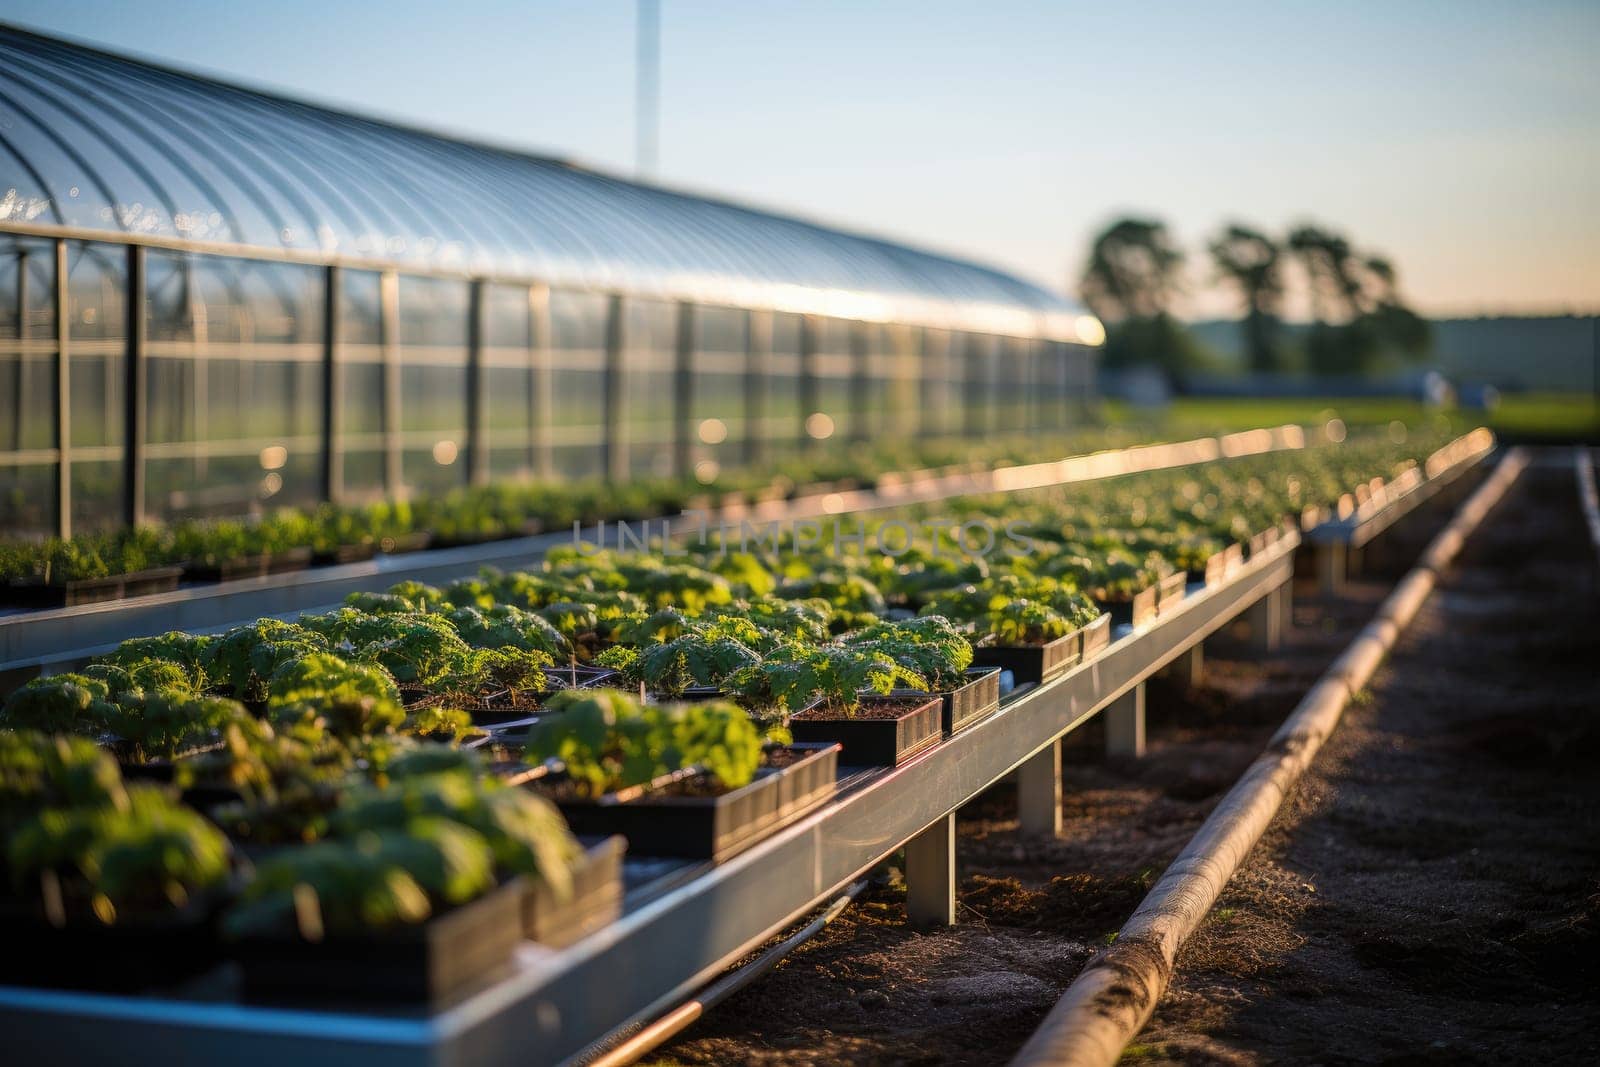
(1429, 892)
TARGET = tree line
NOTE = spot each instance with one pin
(1135, 273)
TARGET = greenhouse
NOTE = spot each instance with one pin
(214, 300)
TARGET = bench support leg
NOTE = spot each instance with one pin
(1125, 724)
(1039, 793)
(1189, 669)
(931, 874)
(1266, 624)
(1331, 559)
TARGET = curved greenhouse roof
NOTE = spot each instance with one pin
(98, 142)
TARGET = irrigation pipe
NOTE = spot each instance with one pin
(657, 1033)
(1115, 994)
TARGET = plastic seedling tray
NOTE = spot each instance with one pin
(1096, 637)
(1137, 611)
(290, 559)
(1033, 663)
(1221, 565)
(877, 742)
(322, 557)
(152, 580)
(1170, 591)
(227, 570)
(596, 897)
(675, 816)
(133, 955)
(969, 703)
(428, 963)
(36, 593)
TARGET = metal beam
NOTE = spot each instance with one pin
(332, 458)
(133, 391)
(477, 386)
(808, 377)
(19, 375)
(542, 403)
(757, 366)
(63, 317)
(860, 382)
(683, 392)
(615, 417)
(389, 346)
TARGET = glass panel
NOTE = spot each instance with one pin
(781, 417)
(937, 391)
(509, 382)
(650, 337)
(981, 356)
(27, 387)
(835, 369)
(27, 500)
(717, 405)
(577, 338)
(233, 385)
(361, 377)
(433, 382)
(97, 277)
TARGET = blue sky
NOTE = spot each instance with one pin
(1462, 139)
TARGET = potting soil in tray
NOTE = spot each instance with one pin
(881, 733)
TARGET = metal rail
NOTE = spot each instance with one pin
(668, 943)
(1588, 496)
(1336, 543)
(57, 638)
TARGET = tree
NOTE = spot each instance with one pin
(1251, 261)
(1132, 271)
(1131, 277)
(1355, 304)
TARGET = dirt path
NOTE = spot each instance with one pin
(873, 990)
(1433, 893)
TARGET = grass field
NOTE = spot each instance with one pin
(1545, 417)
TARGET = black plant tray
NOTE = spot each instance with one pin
(658, 821)
(879, 742)
(1220, 565)
(37, 593)
(129, 956)
(1137, 611)
(227, 570)
(406, 542)
(323, 557)
(1170, 591)
(1096, 637)
(464, 538)
(969, 703)
(1033, 663)
(596, 897)
(429, 963)
(290, 559)
(1264, 540)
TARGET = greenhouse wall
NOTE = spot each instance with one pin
(243, 384)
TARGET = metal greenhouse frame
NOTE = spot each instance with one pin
(222, 299)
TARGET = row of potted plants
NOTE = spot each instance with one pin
(395, 785)
(107, 566)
